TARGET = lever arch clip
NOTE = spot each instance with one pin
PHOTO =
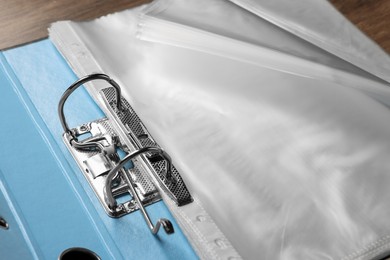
(111, 202)
(120, 188)
(109, 198)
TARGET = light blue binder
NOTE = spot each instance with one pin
(44, 197)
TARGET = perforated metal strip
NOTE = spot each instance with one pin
(140, 137)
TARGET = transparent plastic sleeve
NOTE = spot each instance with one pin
(223, 18)
(221, 28)
(321, 24)
(288, 167)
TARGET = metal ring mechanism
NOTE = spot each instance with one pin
(110, 200)
(98, 142)
(91, 144)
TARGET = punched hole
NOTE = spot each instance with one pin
(3, 223)
(78, 253)
(143, 136)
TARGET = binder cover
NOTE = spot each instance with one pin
(50, 207)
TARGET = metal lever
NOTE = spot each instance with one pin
(92, 144)
(111, 202)
(167, 225)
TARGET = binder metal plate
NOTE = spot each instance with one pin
(95, 167)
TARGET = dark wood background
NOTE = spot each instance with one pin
(24, 21)
(371, 16)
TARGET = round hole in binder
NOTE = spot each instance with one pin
(78, 253)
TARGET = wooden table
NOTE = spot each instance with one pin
(24, 21)
(371, 16)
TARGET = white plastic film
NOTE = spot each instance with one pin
(288, 167)
(223, 18)
(221, 28)
(319, 23)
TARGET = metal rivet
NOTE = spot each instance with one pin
(3, 224)
(220, 243)
(201, 218)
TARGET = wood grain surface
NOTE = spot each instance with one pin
(371, 16)
(24, 21)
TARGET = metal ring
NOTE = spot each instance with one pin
(109, 197)
(77, 84)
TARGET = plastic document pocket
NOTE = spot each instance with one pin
(123, 164)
